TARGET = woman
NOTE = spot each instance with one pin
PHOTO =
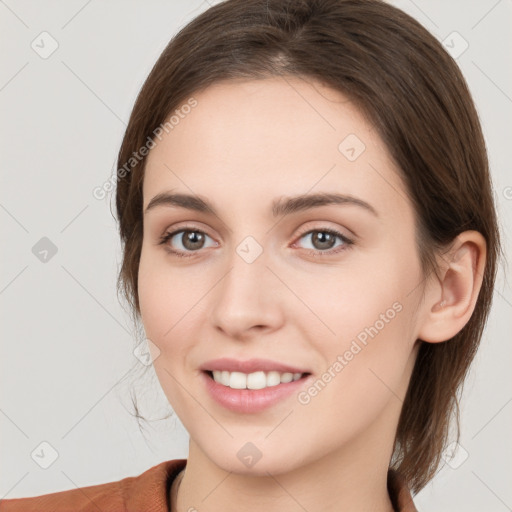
(310, 243)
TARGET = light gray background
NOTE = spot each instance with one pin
(67, 342)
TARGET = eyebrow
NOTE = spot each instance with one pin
(282, 206)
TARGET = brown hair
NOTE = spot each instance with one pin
(412, 91)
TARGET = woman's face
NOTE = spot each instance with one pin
(264, 276)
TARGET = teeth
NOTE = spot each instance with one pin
(256, 380)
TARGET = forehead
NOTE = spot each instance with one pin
(247, 140)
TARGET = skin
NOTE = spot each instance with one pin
(245, 144)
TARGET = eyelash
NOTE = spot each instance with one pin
(312, 252)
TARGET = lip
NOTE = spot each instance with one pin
(248, 401)
(250, 366)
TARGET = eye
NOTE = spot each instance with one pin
(324, 240)
(188, 241)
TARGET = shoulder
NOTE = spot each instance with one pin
(147, 491)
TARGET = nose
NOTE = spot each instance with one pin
(246, 301)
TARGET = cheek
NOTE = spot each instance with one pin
(362, 315)
(370, 310)
(374, 295)
(170, 301)
(158, 292)
(362, 374)
(150, 293)
(163, 302)
(349, 301)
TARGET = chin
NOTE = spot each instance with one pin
(248, 460)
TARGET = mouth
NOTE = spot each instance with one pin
(255, 380)
(252, 385)
(254, 392)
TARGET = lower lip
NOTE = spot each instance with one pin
(251, 400)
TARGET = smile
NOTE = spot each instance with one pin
(255, 380)
(269, 388)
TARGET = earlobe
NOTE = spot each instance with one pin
(453, 297)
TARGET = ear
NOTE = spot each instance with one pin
(451, 299)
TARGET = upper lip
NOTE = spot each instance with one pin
(249, 366)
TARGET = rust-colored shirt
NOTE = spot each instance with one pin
(148, 492)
